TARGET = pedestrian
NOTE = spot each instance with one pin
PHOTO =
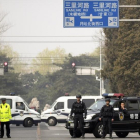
(78, 108)
(107, 116)
(122, 108)
(5, 116)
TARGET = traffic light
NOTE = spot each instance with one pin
(73, 68)
(5, 66)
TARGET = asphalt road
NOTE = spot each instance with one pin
(45, 132)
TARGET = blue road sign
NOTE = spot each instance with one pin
(91, 13)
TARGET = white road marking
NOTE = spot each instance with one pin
(56, 127)
(60, 134)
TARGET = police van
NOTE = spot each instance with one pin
(122, 125)
(61, 108)
(21, 113)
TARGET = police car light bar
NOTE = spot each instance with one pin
(113, 95)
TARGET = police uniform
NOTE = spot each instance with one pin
(5, 116)
(107, 115)
(78, 108)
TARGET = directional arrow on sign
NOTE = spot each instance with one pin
(91, 17)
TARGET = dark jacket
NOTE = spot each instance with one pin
(123, 110)
(107, 112)
(78, 108)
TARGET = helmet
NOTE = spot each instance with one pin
(78, 96)
(107, 99)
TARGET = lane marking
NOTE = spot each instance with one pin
(38, 136)
(61, 134)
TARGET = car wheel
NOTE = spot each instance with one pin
(52, 121)
(28, 122)
(78, 133)
(98, 131)
(122, 134)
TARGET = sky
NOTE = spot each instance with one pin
(43, 18)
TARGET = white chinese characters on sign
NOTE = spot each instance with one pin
(134, 116)
(80, 4)
(91, 24)
(86, 5)
(108, 5)
(101, 4)
(114, 5)
(111, 5)
(73, 5)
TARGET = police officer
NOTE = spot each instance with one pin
(122, 108)
(78, 108)
(5, 116)
(108, 116)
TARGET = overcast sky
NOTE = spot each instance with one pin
(42, 18)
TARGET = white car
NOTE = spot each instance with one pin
(21, 113)
(61, 108)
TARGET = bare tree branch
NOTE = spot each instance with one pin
(3, 25)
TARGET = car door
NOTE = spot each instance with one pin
(134, 115)
(19, 112)
(121, 120)
(59, 109)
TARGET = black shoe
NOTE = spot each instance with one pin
(111, 137)
(73, 137)
(8, 136)
(83, 136)
(1, 137)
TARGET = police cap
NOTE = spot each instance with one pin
(78, 96)
(3, 99)
(107, 100)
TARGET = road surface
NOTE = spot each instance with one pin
(45, 132)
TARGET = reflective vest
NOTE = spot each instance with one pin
(5, 112)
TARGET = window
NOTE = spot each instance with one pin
(59, 105)
(99, 104)
(88, 102)
(132, 104)
(70, 102)
(118, 104)
(8, 101)
(20, 106)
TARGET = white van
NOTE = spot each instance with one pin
(61, 108)
(21, 113)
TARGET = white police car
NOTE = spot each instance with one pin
(61, 108)
(21, 113)
(123, 123)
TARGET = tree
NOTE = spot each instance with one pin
(64, 81)
(122, 53)
(53, 85)
(13, 58)
(45, 60)
(3, 26)
(10, 81)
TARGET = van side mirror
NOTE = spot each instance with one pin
(116, 109)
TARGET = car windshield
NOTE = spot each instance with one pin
(26, 104)
(53, 104)
(99, 104)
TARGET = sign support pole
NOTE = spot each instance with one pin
(101, 66)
